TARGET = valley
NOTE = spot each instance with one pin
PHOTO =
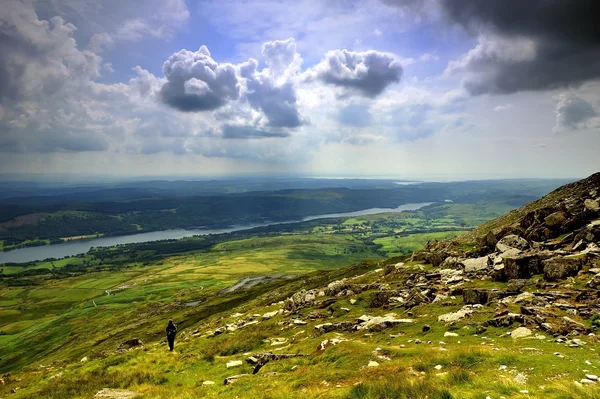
(321, 288)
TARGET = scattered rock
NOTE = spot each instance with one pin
(414, 298)
(110, 393)
(328, 343)
(270, 315)
(234, 363)
(259, 360)
(591, 205)
(380, 323)
(512, 241)
(450, 334)
(234, 378)
(131, 343)
(473, 296)
(561, 267)
(477, 264)
(555, 219)
(456, 316)
(521, 332)
(594, 283)
(373, 363)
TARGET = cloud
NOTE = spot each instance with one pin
(38, 56)
(523, 45)
(355, 115)
(502, 107)
(249, 132)
(573, 112)
(539, 45)
(272, 90)
(365, 74)
(133, 21)
(196, 82)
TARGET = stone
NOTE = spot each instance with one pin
(208, 383)
(473, 296)
(450, 334)
(555, 219)
(110, 393)
(373, 363)
(131, 343)
(299, 322)
(414, 298)
(84, 359)
(340, 326)
(489, 240)
(426, 328)
(234, 378)
(572, 325)
(449, 276)
(594, 283)
(522, 266)
(438, 367)
(269, 315)
(329, 343)
(591, 205)
(379, 323)
(476, 264)
(592, 377)
(521, 332)
(512, 241)
(352, 301)
(561, 267)
(300, 300)
(456, 316)
(234, 363)
(587, 381)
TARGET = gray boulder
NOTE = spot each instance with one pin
(561, 267)
(555, 219)
(512, 241)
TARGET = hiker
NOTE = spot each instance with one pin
(171, 331)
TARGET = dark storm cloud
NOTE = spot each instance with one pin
(249, 132)
(525, 44)
(572, 112)
(196, 82)
(366, 73)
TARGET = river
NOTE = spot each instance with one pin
(71, 248)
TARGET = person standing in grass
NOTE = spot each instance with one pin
(171, 331)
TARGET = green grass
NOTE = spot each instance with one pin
(401, 245)
(47, 329)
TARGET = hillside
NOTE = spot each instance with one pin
(507, 310)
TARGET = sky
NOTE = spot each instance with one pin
(388, 88)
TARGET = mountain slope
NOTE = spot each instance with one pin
(508, 310)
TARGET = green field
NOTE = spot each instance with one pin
(53, 314)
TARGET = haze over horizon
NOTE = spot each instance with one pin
(398, 88)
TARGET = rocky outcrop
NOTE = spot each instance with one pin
(561, 267)
(260, 359)
(512, 241)
(473, 296)
(300, 300)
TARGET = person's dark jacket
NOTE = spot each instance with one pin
(171, 329)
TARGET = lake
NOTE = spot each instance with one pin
(79, 247)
